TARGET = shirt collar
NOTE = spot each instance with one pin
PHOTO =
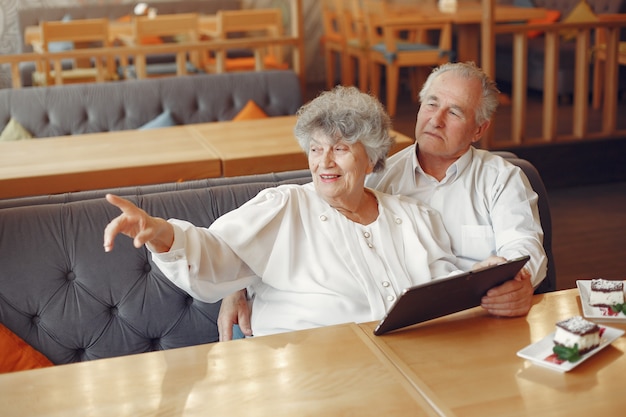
(453, 170)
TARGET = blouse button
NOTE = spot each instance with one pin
(369, 245)
(366, 235)
(323, 218)
(398, 220)
(386, 284)
(390, 298)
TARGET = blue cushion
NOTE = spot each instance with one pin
(157, 69)
(403, 47)
(523, 3)
(168, 68)
(164, 119)
(61, 46)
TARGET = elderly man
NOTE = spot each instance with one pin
(487, 204)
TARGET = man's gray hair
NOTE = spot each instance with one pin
(469, 70)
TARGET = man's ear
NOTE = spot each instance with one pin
(480, 131)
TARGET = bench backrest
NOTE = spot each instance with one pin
(122, 105)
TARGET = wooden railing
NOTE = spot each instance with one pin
(581, 98)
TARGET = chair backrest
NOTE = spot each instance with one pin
(251, 23)
(377, 14)
(352, 21)
(77, 34)
(183, 24)
(80, 32)
(334, 42)
(415, 41)
(180, 27)
(331, 21)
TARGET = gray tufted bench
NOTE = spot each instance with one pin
(102, 107)
(70, 300)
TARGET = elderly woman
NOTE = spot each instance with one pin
(323, 253)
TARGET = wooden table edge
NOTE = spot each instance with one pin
(386, 357)
(377, 344)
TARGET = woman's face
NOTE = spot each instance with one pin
(338, 169)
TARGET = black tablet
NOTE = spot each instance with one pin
(447, 295)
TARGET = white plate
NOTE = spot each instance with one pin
(540, 353)
(598, 313)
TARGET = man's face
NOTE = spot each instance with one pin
(446, 121)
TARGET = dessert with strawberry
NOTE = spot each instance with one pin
(575, 337)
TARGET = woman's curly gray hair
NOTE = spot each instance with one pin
(345, 113)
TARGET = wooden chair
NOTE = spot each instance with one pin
(181, 27)
(83, 33)
(247, 23)
(333, 41)
(428, 45)
(601, 58)
(356, 44)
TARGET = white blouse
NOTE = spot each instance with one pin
(307, 264)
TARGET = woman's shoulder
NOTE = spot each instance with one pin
(401, 202)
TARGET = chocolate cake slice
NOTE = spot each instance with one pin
(577, 331)
(605, 293)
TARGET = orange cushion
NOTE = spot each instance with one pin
(248, 63)
(17, 355)
(151, 40)
(146, 40)
(551, 17)
(250, 111)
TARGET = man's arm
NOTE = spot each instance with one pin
(234, 310)
(516, 223)
(514, 216)
(511, 299)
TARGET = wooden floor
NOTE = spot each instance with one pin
(589, 232)
(588, 217)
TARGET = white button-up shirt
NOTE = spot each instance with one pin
(486, 203)
(307, 264)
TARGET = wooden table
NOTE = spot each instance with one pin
(461, 365)
(263, 145)
(330, 371)
(103, 160)
(466, 364)
(467, 20)
(138, 157)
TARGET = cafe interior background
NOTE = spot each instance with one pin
(10, 37)
(10, 40)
